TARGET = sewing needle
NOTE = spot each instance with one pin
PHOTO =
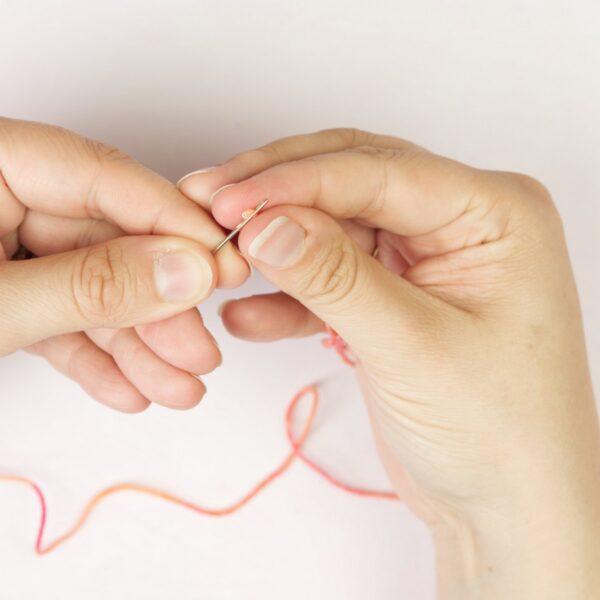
(243, 223)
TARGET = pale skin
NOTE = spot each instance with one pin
(451, 285)
(96, 303)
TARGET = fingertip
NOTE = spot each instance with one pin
(194, 173)
(229, 203)
(268, 219)
(109, 386)
(187, 392)
(222, 307)
(131, 407)
(184, 342)
(200, 185)
(276, 185)
(155, 379)
(268, 317)
(205, 357)
(233, 268)
(183, 274)
(238, 321)
(93, 369)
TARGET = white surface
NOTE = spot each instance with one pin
(183, 84)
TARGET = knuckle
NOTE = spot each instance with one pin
(104, 159)
(526, 213)
(535, 198)
(272, 152)
(533, 187)
(384, 161)
(394, 157)
(258, 158)
(101, 285)
(351, 137)
(333, 273)
(105, 154)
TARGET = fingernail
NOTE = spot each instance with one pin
(214, 194)
(198, 172)
(181, 276)
(279, 244)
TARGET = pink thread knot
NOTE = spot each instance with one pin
(337, 343)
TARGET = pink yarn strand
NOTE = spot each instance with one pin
(296, 452)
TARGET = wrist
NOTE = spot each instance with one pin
(539, 544)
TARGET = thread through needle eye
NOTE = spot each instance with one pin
(246, 218)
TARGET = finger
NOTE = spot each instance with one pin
(9, 245)
(153, 377)
(55, 171)
(46, 234)
(123, 282)
(201, 185)
(269, 317)
(392, 252)
(77, 357)
(183, 341)
(408, 192)
(307, 255)
(365, 237)
(12, 211)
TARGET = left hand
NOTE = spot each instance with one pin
(90, 304)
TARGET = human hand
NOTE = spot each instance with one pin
(115, 313)
(467, 332)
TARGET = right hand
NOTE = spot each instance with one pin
(467, 333)
(123, 260)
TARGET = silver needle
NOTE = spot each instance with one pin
(243, 223)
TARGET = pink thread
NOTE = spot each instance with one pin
(296, 443)
(335, 342)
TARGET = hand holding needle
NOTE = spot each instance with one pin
(245, 220)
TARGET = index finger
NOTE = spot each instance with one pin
(201, 185)
(406, 190)
(55, 171)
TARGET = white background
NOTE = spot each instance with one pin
(184, 84)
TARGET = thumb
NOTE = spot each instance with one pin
(125, 281)
(308, 255)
